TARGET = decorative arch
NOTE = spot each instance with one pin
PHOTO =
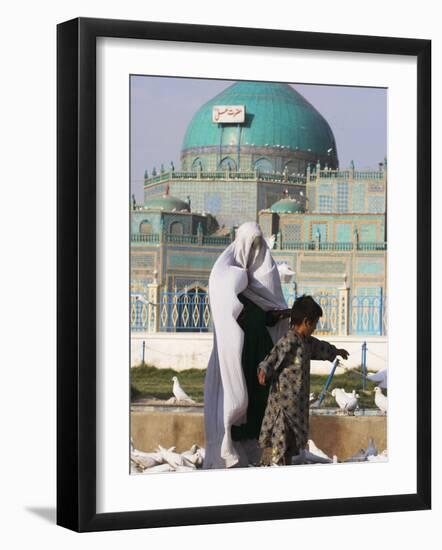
(292, 167)
(228, 163)
(197, 164)
(176, 228)
(263, 165)
(146, 227)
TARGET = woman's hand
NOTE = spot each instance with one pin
(262, 377)
(275, 315)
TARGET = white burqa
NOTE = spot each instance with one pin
(249, 269)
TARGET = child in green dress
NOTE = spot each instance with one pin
(287, 367)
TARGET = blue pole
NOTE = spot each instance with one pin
(328, 381)
(364, 364)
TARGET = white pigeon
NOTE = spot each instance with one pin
(360, 456)
(306, 457)
(380, 399)
(194, 455)
(352, 394)
(371, 449)
(158, 469)
(271, 241)
(352, 401)
(382, 457)
(312, 397)
(179, 393)
(345, 403)
(316, 451)
(380, 378)
(285, 273)
(146, 460)
(171, 457)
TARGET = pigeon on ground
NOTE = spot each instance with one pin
(364, 454)
(380, 399)
(306, 457)
(316, 451)
(166, 467)
(146, 460)
(359, 456)
(171, 457)
(194, 455)
(179, 393)
(380, 378)
(382, 457)
(371, 449)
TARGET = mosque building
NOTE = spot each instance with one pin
(261, 152)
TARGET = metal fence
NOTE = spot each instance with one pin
(368, 315)
(188, 310)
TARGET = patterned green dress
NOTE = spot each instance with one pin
(286, 420)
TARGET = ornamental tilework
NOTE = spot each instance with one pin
(358, 197)
(292, 232)
(142, 261)
(212, 202)
(323, 266)
(370, 267)
(325, 203)
(192, 261)
(342, 197)
(376, 204)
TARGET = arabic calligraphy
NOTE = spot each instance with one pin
(228, 113)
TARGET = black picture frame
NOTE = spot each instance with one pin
(76, 273)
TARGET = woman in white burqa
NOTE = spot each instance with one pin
(249, 315)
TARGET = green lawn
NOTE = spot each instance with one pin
(150, 382)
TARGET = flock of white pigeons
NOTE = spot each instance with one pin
(347, 402)
(168, 460)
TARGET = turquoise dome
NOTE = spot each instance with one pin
(287, 206)
(167, 203)
(276, 116)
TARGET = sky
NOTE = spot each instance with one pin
(162, 108)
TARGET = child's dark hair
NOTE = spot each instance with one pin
(304, 308)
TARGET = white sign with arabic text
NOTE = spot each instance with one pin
(228, 114)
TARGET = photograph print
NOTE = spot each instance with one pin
(258, 274)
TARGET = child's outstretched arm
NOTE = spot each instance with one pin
(324, 351)
(271, 361)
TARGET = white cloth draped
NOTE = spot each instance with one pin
(246, 266)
